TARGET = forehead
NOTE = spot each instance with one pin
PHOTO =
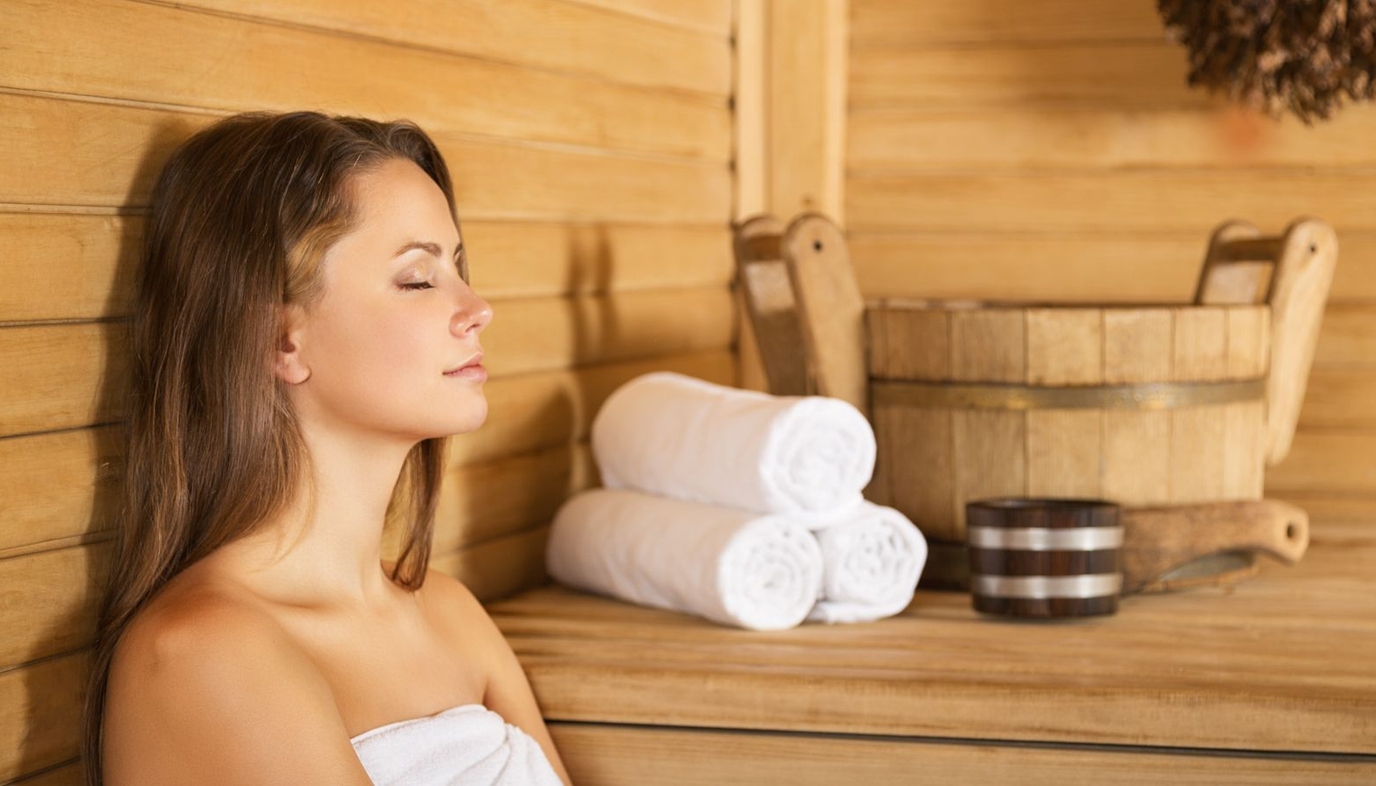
(396, 201)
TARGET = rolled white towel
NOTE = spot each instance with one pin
(676, 436)
(873, 558)
(730, 566)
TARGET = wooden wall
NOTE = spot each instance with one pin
(1049, 150)
(591, 145)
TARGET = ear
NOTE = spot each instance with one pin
(288, 364)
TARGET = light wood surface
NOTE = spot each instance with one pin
(552, 34)
(611, 755)
(877, 24)
(1279, 663)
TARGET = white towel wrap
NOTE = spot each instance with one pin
(468, 745)
(676, 436)
(873, 558)
(731, 566)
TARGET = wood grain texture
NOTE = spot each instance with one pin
(62, 376)
(118, 150)
(549, 34)
(877, 24)
(1283, 667)
(1161, 200)
(1102, 138)
(40, 713)
(1117, 74)
(708, 16)
(1146, 266)
(616, 755)
(200, 64)
(58, 487)
(1335, 462)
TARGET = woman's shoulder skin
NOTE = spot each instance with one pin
(205, 681)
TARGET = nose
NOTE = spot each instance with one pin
(472, 314)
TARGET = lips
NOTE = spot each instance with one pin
(476, 360)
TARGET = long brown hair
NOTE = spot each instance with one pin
(241, 216)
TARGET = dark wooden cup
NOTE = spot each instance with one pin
(1044, 557)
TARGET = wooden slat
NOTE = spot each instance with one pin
(499, 568)
(551, 34)
(119, 148)
(543, 409)
(1096, 138)
(491, 500)
(709, 16)
(66, 266)
(1123, 74)
(82, 264)
(1284, 666)
(614, 755)
(901, 23)
(1137, 201)
(1347, 337)
(544, 334)
(61, 376)
(102, 49)
(1332, 462)
(1067, 267)
(1340, 398)
(51, 600)
(1329, 508)
(40, 714)
(59, 487)
(1138, 348)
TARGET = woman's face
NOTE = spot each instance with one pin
(382, 346)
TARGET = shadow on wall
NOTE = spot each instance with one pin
(56, 687)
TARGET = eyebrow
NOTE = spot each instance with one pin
(433, 249)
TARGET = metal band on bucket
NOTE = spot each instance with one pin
(1042, 539)
(1156, 395)
(1092, 585)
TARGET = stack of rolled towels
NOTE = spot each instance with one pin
(737, 506)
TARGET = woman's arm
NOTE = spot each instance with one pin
(217, 694)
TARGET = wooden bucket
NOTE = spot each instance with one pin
(1145, 406)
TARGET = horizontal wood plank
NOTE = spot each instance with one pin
(499, 568)
(102, 49)
(82, 265)
(550, 34)
(495, 499)
(1327, 461)
(1189, 201)
(64, 775)
(1067, 267)
(614, 755)
(58, 487)
(1097, 138)
(709, 16)
(1339, 398)
(51, 602)
(72, 375)
(117, 150)
(40, 714)
(62, 376)
(1118, 74)
(1302, 682)
(1347, 337)
(880, 24)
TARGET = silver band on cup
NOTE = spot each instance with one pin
(1091, 585)
(1044, 539)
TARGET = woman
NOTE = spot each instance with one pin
(304, 339)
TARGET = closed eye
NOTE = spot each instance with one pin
(418, 285)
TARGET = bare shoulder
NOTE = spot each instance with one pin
(207, 682)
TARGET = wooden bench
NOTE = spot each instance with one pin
(1270, 681)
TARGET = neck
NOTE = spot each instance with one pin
(325, 549)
